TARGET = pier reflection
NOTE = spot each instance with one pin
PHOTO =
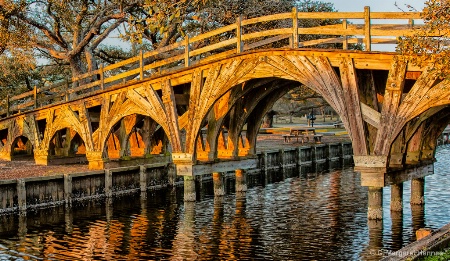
(300, 213)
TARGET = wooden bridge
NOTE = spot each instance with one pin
(204, 98)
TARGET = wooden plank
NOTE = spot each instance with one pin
(266, 18)
(213, 33)
(272, 32)
(239, 34)
(121, 76)
(266, 41)
(21, 96)
(331, 15)
(213, 46)
(395, 15)
(331, 30)
(370, 115)
(322, 41)
(165, 49)
(164, 62)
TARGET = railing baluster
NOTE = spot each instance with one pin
(7, 105)
(186, 51)
(239, 34)
(141, 65)
(35, 96)
(345, 41)
(67, 90)
(294, 28)
(102, 77)
(367, 35)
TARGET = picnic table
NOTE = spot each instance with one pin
(302, 133)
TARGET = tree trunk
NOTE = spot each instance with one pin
(268, 119)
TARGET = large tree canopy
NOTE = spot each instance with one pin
(430, 44)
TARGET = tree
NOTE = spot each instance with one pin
(61, 31)
(430, 44)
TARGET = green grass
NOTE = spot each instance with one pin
(444, 257)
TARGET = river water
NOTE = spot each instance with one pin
(295, 216)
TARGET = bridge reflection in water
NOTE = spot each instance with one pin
(299, 214)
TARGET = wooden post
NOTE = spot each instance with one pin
(108, 183)
(141, 65)
(239, 34)
(189, 189)
(102, 77)
(411, 23)
(21, 195)
(241, 183)
(367, 35)
(186, 51)
(294, 28)
(35, 96)
(218, 184)
(67, 90)
(68, 188)
(143, 178)
(7, 105)
(345, 41)
(417, 191)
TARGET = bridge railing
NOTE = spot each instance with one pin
(285, 31)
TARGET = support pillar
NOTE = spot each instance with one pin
(417, 191)
(108, 183)
(218, 184)
(375, 206)
(189, 189)
(68, 188)
(397, 197)
(21, 196)
(241, 183)
(143, 178)
(40, 157)
(95, 159)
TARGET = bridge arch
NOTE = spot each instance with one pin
(316, 73)
(231, 112)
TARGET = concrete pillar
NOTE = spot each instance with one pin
(241, 183)
(108, 183)
(417, 191)
(189, 189)
(143, 178)
(109, 209)
(219, 189)
(68, 188)
(397, 197)
(375, 206)
(21, 195)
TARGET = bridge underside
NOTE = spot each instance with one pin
(393, 112)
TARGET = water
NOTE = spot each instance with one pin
(320, 216)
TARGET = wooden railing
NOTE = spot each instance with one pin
(233, 39)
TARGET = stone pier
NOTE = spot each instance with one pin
(218, 184)
(375, 206)
(417, 191)
(189, 189)
(241, 183)
(397, 197)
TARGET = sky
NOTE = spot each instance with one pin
(375, 5)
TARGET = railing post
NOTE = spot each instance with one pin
(67, 90)
(7, 105)
(239, 34)
(102, 77)
(141, 65)
(345, 40)
(294, 27)
(411, 23)
(367, 35)
(186, 51)
(35, 96)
